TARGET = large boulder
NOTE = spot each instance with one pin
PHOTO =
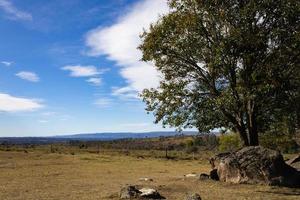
(255, 164)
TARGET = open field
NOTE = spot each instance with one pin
(39, 175)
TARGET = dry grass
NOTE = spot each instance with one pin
(37, 175)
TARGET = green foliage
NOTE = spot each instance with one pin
(281, 136)
(284, 143)
(192, 149)
(231, 64)
(229, 142)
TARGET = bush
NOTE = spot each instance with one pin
(229, 142)
(192, 149)
(282, 142)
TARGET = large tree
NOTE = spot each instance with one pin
(230, 64)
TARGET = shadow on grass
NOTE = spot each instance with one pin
(291, 192)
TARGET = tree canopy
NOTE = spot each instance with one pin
(230, 64)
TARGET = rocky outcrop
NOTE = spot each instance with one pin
(255, 164)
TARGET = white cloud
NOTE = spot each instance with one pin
(7, 63)
(125, 92)
(13, 12)
(103, 102)
(82, 71)
(94, 81)
(10, 103)
(119, 43)
(86, 71)
(28, 76)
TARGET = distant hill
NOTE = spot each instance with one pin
(123, 135)
(91, 137)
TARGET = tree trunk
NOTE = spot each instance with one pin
(251, 124)
(243, 134)
(253, 134)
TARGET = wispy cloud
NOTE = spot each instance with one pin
(82, 71)
(103, 102)
(94, 81)
(7, 63)
(14, 13)
(125, 92)
(28, 76)
(119, 43)
(11, 104)
(93, 73)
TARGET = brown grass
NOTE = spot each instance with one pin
(37, 175)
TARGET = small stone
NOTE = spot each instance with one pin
(190, 175)
(193, 196)
(146, 179)
(204, 176)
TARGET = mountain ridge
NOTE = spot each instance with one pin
(106, 136)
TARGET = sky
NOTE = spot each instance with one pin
(72, 66)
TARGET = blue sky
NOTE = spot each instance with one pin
(71, 66)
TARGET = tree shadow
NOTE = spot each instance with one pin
(291, 192)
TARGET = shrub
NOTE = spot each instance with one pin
(229, 142)
(282, 142)
(191, 149)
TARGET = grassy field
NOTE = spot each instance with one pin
(39, 175)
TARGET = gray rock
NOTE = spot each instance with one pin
(132, 192)
(149, 193)
(129, 192)
(204, 176)
(193, 196)
(255, 164)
